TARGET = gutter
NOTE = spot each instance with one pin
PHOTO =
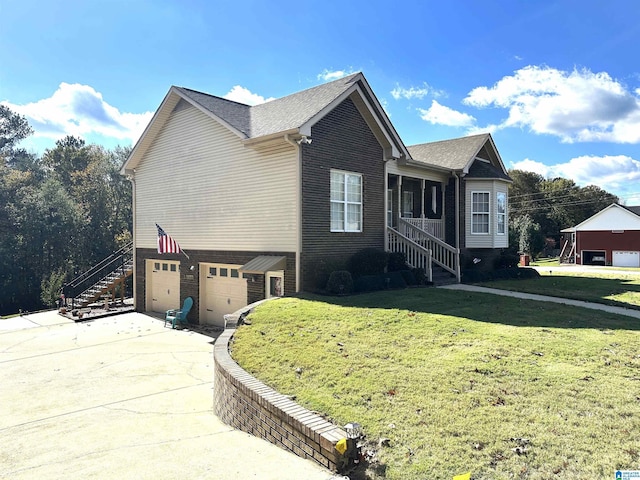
(296, 145)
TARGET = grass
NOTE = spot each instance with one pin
(457, 380)
(622, 290)
(546, 262)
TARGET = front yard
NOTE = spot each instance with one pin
(459, 381)
(621, 290)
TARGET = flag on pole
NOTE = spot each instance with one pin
(166, 244)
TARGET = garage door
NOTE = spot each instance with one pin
(163, 285)
(223, 291)
(626, 259)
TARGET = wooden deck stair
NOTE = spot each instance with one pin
(101, 279)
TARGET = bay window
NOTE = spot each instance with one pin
(480, 202)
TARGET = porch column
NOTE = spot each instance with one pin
(399, 198)
(422, 202)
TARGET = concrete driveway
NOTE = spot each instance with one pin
(121, 397)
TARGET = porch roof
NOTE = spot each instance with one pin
(458, 154)
(264, 264)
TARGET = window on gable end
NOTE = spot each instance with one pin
(346, 201)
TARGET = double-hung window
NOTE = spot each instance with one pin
(501, 213)
(346, 201)
(480, 212)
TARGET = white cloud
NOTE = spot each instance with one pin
(243, 95)
(79, 110)
(442, 115)
(577, 106)
(409, 93)
(329, 75)
(617, 174)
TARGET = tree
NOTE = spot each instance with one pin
(13, 129)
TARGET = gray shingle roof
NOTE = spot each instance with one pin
(234, 113)
(454, 154)
(635, 209)
(275, 116)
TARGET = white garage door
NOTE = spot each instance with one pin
(626, 259)
(223, 290)
(163, 285)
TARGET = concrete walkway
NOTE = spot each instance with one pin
(121, 397)
(544, 298)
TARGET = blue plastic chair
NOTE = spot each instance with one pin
(179, 316)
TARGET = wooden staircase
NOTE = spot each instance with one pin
(101, 279)
(439, 260)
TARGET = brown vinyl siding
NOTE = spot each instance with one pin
(343, 141)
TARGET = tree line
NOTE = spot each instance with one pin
(539, 208)
(60, 213)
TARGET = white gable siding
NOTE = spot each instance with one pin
(492, 239)
(611, 218)
(207, 191)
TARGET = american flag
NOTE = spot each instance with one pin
(166, 244)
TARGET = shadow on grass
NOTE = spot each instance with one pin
(588, 289)
(485, 308)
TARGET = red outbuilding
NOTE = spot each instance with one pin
(610, 237)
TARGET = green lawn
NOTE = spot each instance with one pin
(622, 290)
(458, 380)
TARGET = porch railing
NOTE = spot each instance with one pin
(430, 225)
(442, 253)
(416, 255)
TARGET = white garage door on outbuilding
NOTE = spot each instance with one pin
(223, 290)
(163, 285)
(626, 258)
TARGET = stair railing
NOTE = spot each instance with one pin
(443, 254)
(416, 255)
(116, 262)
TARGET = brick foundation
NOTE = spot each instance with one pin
(242, 401)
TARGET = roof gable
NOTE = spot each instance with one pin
(459, 154)
(613, 217)
(293, 114)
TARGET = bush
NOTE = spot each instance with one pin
(507, 259)
(514, 273)
(409, 277)
(394, 280)
(420, 276)
(369, 283)
(340, 283)
(369, 261)
(396, 262)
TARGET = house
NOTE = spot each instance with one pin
(610, 237)
(267, 200)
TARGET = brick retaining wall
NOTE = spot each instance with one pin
(242, 401)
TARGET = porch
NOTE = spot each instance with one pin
(416, 224)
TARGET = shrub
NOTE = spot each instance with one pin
(340, 282)
(507, 259)
(409, 277)
(420, 276)
(369, 283)
(394, 280)
(396, 262)
(369, 261)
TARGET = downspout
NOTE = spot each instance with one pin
(132, 179)
(457, 229)
(288, 139)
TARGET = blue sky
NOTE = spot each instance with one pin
(556, 83)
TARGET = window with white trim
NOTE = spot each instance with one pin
(501, 213)
(389, 207)
(346, 201)
(480, 216)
